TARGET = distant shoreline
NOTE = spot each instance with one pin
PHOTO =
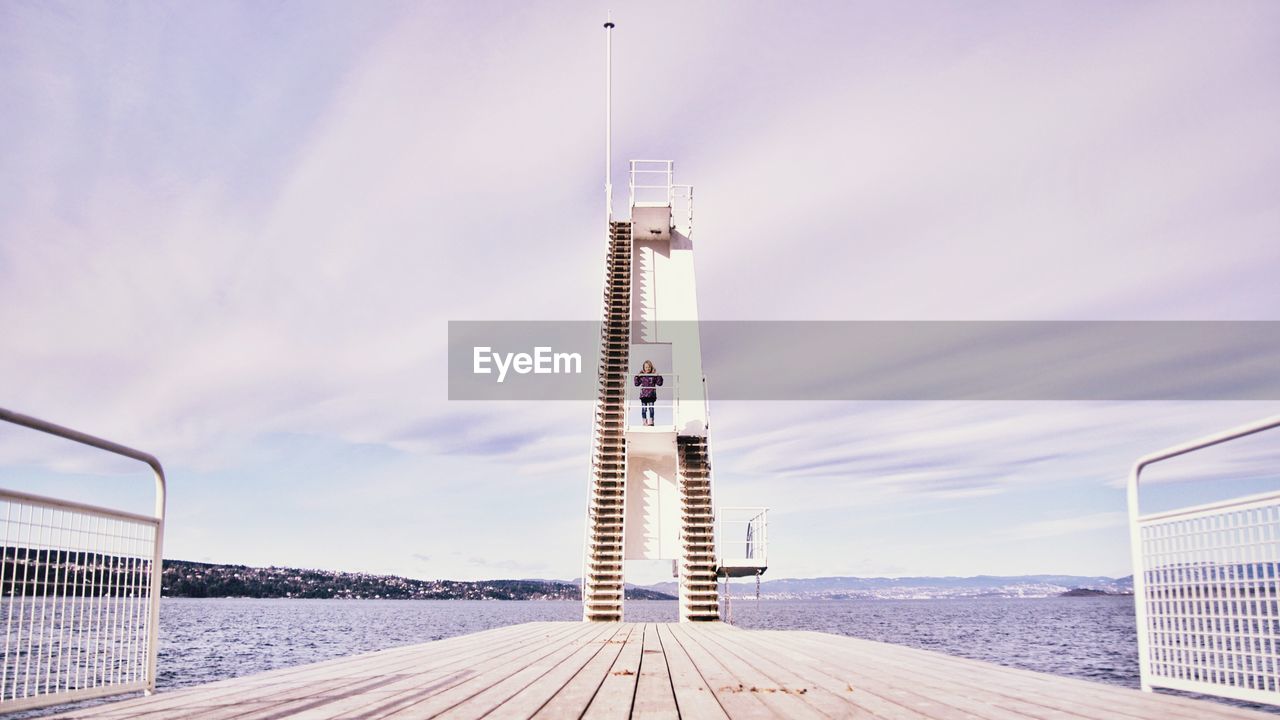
(213, 580)
(185, 579)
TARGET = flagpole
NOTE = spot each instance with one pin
(608, 117)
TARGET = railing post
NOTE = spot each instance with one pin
(157, 581)
(1139, 581)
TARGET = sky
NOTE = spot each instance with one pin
(233, 235)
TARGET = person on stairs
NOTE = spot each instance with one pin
(648, 380)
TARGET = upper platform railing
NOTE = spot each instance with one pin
(652, 184)
(1206, 585)
(79, 590)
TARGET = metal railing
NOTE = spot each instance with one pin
(682, 208)
(79, 590)
(650, 182)
(652, 185)
(742, 540)
(1206, 585)
(666, 407)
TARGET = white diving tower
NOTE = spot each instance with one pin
(651, 489)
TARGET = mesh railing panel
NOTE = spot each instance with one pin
(75, 594)
(1211, 598)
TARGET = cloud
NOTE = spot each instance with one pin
(217, 313)
(1068, 526)
(1030, 168)
(859, 455)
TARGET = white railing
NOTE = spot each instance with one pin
(652, 185)
(666, 407)
(742, 540)
(1206, 585)
(650, 182)
(682, 208)
(706, 410)
(79, 591)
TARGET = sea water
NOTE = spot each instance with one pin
(206, 640)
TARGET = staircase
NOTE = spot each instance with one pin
(698, 598)
(602, 584)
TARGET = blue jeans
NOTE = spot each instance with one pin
(646, 409)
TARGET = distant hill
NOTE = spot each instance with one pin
(1085, 592)
(207, 580)
(193, 579)
(845, 587)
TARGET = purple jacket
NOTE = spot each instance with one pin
(647, 383)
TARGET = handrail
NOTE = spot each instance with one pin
(92, 441)
(639, 179)
(157, 576)
(1202, 443)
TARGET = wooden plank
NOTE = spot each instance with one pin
(301, 700)
(496, 695)
(615, 695)
(732, 695)
(824, 700)
(881, 694)
(922, 679)
(954, 679)
(655, 698)
(693, 696)
(786, 701)
(457, 670)
(572, 699)
(426, 676)
(358, 706)
(1049, 690)
(245, 689)
(483, 676)
(533, 697)
(265, 689)
(418, 686)
(884, 702)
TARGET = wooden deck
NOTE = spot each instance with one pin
(617, 670)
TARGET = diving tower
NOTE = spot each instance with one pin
(651, 495)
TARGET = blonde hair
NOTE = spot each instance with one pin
(648, 364)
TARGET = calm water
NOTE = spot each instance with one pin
(1091, 638)
(206, 640)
